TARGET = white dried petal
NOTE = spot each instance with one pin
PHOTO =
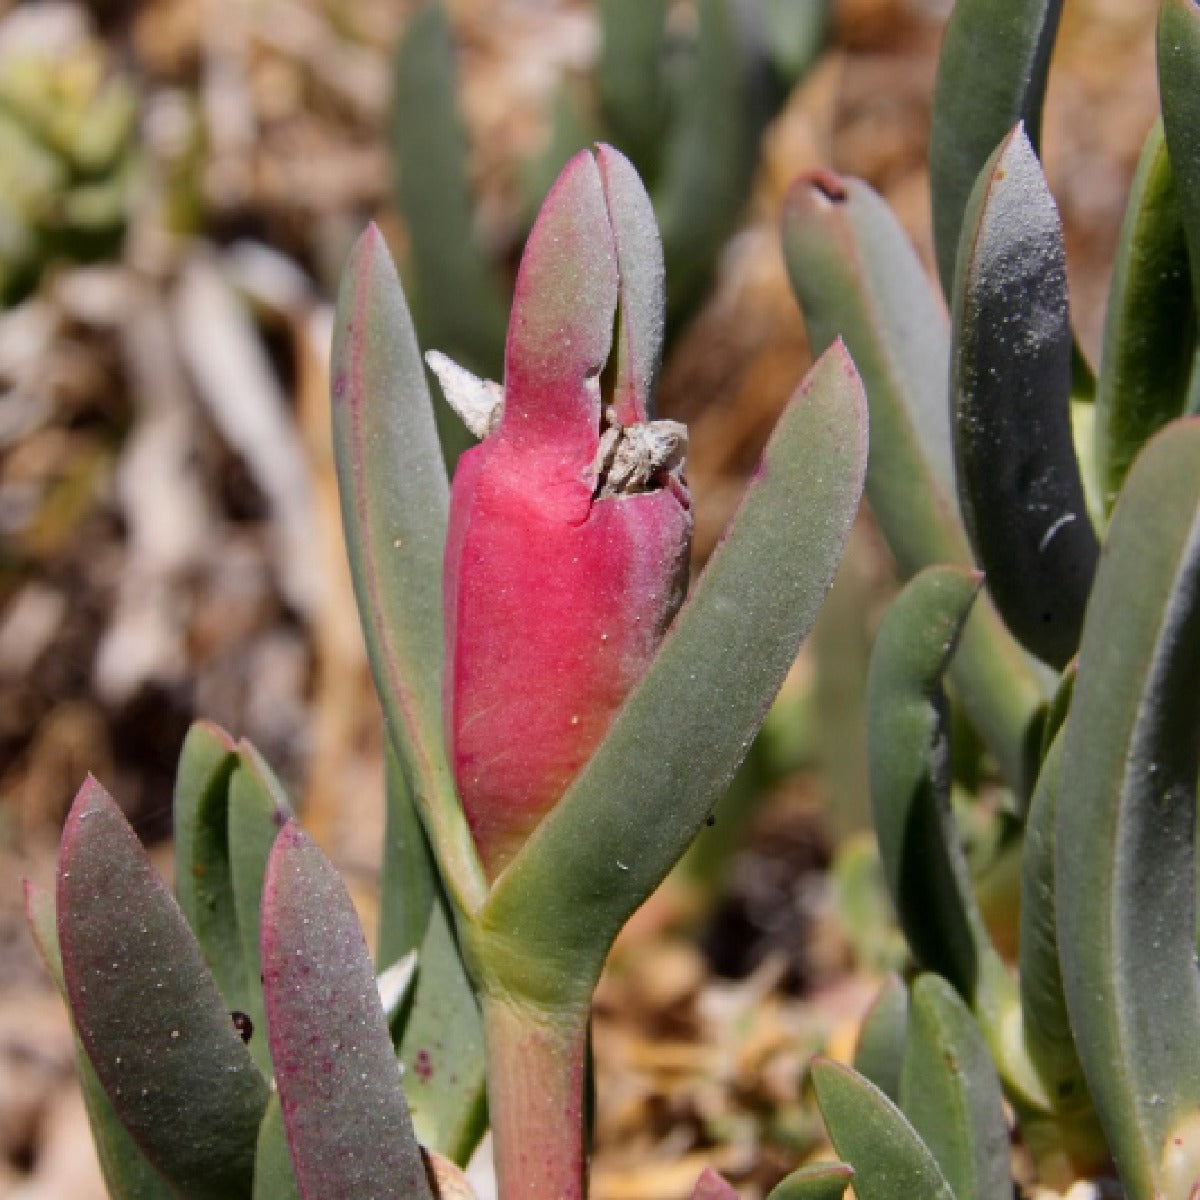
(639, 456)
(479, 402)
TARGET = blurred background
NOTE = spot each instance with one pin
(180, 181)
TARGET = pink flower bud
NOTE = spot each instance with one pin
(570, 526)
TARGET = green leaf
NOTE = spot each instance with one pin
(347, 1122)
(460, 308)
(442, 1049)
(394, 498)
(408, 878)
(908, 738)
(1125, 870)
(128, 1174)
(630, 77)
(678, 738)
(203, 876)
(258, 808)
(1046, 1024)
(709, 158)
(856, 275)
(1150, 329)
(818, 1181)
(879, 1051)
(1019, 484)
(148, 1011)
(1179, 89)
(991, 74)
(274, 1178)
(868, 1131)
(950, 1093)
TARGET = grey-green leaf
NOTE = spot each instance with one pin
(442, 1049)
(1150, 328)
(856, 275)
(1019, 483)
(818, 1181)
(258, 808)
(950, 1092)
(395, 498)
(991, 74)
(460, 308)
(871, 1134)
(910, 778)
(879, 1051)
(274, 1178)
(408, 876)
(1125, 870)
(681, 734)
(128, 1173)
(148, 1010)
(348, 1129)
(1179, 90)
(203, 876)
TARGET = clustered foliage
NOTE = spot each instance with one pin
(560, 725)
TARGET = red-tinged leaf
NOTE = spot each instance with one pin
(711, 1186)
(348, 1129)
(148, 1010)
(394, 497)
(561, 325)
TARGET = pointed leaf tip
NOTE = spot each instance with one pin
(147, 1009)
(347, 1122)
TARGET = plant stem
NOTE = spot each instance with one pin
(536, 1061)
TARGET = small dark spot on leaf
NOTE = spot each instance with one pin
(710, 821)
(423, 1066)
(242, 1024)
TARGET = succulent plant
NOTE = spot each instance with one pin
(1078, 495)
(559, 726)
(67, 147)
(687, 111)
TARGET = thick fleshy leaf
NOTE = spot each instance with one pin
(203, 876)
(562, 322)
(709, 159)
(1150, 329)
(712, 1186)
(408, 876)
(630, 78)
(394, 497)
(641, 275)
(148, 1010)
(910, 782)
(819, 1181)
(874, 1137)
(274, 1178)
(1179, 89)
(258, 809)
(459, 307)
(348, 1129)
(1125, 870)
(679, 737)
(856, 276)
(950, 1093)
(991, 74)
(442, 1049)
(128, 1173)
(1019, 484)
(879, 1051)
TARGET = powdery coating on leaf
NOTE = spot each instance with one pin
(557, 594)
(347, 1123)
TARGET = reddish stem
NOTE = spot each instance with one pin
(536, 1072)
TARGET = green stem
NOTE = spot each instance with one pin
(536, 1067)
